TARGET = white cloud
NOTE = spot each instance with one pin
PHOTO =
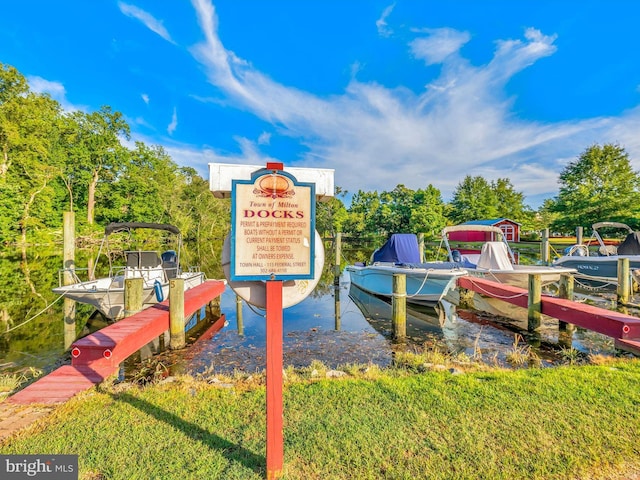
(174, 122)
(381, 23)
(147, 19)
(145, 98)
(56, 90)
(438, 45)
(264, 138)
(376, 137)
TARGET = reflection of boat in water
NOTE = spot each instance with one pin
(599, 270)
(426, 283)
(156, 269)
(422, 321)
(497, 262)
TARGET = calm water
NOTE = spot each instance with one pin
(334, 325)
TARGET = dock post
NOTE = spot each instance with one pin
(176, 313)
(535, 302)
(579, 235)
(336, 263)
(399, 305)
(239, 320)
(624, 283)
(69, 253)
(566, 291)
(133, 288)
(545, 246)
(421, 246)
(338, 321)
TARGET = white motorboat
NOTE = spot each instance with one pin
(598, 269)
(496, 260)
(106, 294)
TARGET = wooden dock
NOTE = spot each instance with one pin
(97, 356)
(625, 329)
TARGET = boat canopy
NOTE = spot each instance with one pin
(472, 228)
(115, 227)
(400, 248)
(623, 226)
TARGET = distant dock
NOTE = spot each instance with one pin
(625, 329)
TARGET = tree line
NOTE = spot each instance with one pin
(53, 161)
(600, 185)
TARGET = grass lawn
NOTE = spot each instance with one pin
(568, 422)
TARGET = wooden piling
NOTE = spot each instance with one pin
(624, 281)
(133, 288)
(239, 319)
(69, 265)
(566, 291)
(579, 235)
(534, 313)
(176, 313)
(399, 305)
(338, 256)
(421, 246)
(338, 321)
(545, 246)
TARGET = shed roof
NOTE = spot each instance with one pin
(490, 222)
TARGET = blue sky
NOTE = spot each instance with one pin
(384, 92)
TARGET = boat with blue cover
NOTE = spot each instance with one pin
(426, 282)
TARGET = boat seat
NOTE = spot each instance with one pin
(607, 250)
(140, 259)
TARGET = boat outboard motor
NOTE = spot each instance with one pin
(170, 263)
(456, 256)
(575, 251)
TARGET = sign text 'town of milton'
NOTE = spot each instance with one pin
(272, 227)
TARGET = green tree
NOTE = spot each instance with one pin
(599, 186)
(473, 199)
(331, 214)
(98, 156)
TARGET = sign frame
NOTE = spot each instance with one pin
(277, 193)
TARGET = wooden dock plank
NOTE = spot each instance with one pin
(122, 339)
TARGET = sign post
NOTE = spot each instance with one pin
(272, 240)
(275, 438)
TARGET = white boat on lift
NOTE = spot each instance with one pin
(106, 294)
(598, 270)
(496, 260)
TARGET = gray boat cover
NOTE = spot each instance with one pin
(630, 245)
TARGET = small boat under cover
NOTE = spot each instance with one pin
(426, 283)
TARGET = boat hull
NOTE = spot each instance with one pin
(423, 286)
(598, 272)
(107, 294)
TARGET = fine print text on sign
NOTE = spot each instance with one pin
(273, 227)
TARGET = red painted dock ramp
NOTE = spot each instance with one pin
(97, 356)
